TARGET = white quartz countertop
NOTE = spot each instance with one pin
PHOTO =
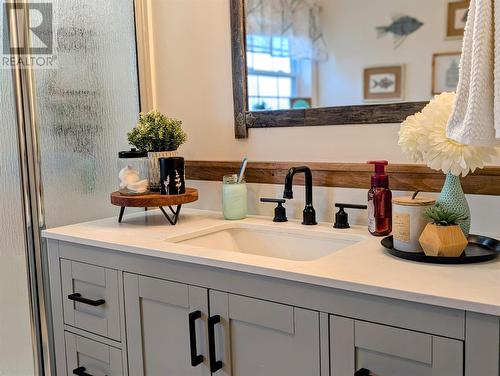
(363, 267)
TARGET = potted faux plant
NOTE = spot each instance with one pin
(423, 138)
(443, 237)
(160, 136)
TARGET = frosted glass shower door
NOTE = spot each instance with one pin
(16, 351)
(86, 106)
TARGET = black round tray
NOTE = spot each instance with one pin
(480, 249)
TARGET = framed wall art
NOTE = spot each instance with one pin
(458, 12)
(445, 71)
(384, 83)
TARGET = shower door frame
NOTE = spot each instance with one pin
(31, 192)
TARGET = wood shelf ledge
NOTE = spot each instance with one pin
(404, 177)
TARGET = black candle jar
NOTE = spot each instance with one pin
(172, 176)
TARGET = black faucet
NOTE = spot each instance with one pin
(309, 214)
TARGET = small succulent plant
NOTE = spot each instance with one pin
(443, 217)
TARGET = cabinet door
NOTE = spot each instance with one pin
(157, 316)
(388, 351)
(87, 357)
(260, 338)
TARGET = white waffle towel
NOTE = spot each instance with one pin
(475, 119)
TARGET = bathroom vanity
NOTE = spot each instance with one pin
(215, 297)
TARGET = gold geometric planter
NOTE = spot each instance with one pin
(443, 241)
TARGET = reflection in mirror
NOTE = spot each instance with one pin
(326, 53)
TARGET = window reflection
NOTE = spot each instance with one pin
(271, 77)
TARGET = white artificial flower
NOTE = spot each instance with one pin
(422, 137)
(409, 135)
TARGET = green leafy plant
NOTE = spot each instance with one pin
(443, 217)
(157, 132)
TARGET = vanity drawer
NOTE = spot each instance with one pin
(389, 351)
(91, 298)
(87, 357)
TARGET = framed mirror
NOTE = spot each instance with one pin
(332, 62)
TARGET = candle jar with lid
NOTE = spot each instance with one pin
(133, 172)
(409, 221)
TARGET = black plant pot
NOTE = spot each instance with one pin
(172, 176)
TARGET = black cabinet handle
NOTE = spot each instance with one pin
(195, 357)
(78, 298)
(215, 364)
(362, 372)
(80, 371)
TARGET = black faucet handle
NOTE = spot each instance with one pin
(273, 200)
(342, 218)
(279, 211)
(351, 206)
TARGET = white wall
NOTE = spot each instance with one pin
(192, 69)
(353, 45)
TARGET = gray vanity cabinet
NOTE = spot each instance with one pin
(389, 351)
(259, 338)
(163, 317)
(157, 321)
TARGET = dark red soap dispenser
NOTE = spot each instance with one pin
(380, 201)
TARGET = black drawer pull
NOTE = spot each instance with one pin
(196, 359)
(80, 371)
(78, 298)
(362, 372)
(215, 364)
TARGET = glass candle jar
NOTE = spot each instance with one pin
(234, 197)
(409, 221)
(133, 172)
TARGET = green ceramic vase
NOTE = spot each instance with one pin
(452, 198)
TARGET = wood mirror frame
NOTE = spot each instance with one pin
(339, 115)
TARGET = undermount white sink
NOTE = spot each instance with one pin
(289, 244)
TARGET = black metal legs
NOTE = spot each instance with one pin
(172, 219)
(175, 217)
(120, 217)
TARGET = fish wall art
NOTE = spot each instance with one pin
(401, 28)
(383, 83)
